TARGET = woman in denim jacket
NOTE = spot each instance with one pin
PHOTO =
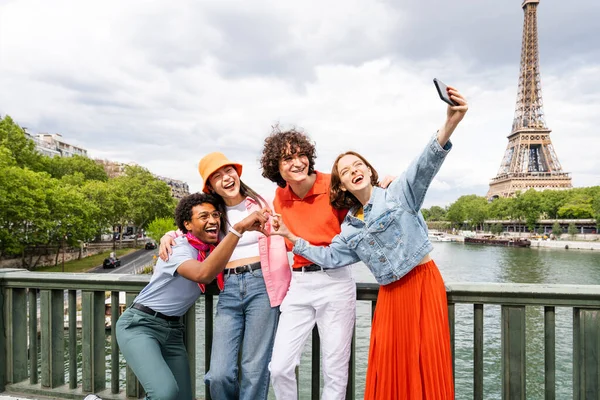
(256, 280)
(409, 356)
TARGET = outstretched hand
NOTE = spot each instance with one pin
(280, 229)
(385, 182)
(455, 114)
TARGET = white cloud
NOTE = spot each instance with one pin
(161, 85)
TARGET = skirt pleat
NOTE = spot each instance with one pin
(409, 356)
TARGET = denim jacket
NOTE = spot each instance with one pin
(393, 237)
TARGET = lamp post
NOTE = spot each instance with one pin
(63, 251)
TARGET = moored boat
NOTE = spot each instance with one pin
(494, 241)
(438, 237)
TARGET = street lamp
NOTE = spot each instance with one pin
(63, 249)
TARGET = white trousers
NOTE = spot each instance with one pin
(327, 298)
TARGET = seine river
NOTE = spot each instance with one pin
(471, 263)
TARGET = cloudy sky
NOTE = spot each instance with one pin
(161, 83)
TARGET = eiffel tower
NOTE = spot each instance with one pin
(529, 160)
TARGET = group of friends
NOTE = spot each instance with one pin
(231, 236)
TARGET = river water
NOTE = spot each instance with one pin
(460, 262)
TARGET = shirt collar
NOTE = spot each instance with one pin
(321, 186)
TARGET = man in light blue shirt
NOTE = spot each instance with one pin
(150, 333)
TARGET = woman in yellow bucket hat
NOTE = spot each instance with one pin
(256, 280)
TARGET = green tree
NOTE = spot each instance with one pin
(111, 203)
(528, 207)
(596, 204)
(476, 210)
(24, 214)
(456, 212)
(578, 206)
(556, 229)
(59, 167)
(501, 208)
(552, 201)
(149, 197)
(572, 229)
(426, 214)
(72, 215)
(13, 137)
(470, 208)
(437, 213)
(159, 226)
(497, 228)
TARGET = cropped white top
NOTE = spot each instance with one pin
(248, 244)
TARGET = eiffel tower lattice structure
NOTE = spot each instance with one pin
(529, 160)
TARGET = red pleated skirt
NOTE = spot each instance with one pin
(410, 357)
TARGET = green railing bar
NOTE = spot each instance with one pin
(451, 319)
(513, 352)
(72, 339)
(115, 311)
(17, 326)
(351, 388)
(525, 294)
(373, 307)
(208, 335)
(549, 353)
(4, 311)
(315, 387)
(93, 337)
(52, 304)
(478, 351)
(33, 337)
(132, 386)
(586, 348)
(189, 338)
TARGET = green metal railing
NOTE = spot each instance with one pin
(54, 298)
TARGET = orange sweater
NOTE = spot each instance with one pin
(311, 218)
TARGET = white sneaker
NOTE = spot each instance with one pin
(91, 397)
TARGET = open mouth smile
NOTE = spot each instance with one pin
(357, 179)
(212, 230)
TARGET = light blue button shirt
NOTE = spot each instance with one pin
(168, 292)
(392, 239)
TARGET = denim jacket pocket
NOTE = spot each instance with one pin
(386, 230)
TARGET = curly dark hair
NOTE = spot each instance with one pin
(183, 212)
(343, 199)
(281, 143)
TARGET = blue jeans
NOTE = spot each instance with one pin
(244, 319)
(154, 350)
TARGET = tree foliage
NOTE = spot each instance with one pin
(159, 226)
(54, 201)
(528, 207)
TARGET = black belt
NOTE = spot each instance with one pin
(150, 311)
(242, 268)
(309, 268)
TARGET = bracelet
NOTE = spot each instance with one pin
(236, 233)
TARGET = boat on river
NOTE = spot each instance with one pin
(496, 241)
(438, 237)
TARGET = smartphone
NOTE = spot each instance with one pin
(443, 92)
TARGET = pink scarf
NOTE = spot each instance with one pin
(203, 252)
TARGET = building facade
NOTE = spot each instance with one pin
(53, 145)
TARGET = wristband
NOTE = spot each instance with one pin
(236, 233)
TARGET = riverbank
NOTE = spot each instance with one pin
(566, 244)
